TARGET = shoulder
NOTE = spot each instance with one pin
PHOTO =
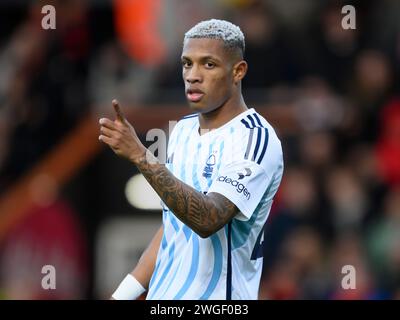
(186, 122)
(181, 129)
(258, 139)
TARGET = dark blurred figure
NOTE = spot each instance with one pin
(299, 272)
(383, 239)
(388, 144)
(334, 49)
(348, 250)
(372, 84)
(298, 206)
(347, 200)
(268, 53)
(46, 91)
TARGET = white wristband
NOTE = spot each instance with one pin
(128, 289)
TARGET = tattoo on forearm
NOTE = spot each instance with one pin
(204, 214)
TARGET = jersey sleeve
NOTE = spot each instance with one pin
(244, 184)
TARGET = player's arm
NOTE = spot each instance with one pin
(145, 267)
(129, 289)
(205, 214)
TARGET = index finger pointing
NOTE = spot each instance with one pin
(118, 111)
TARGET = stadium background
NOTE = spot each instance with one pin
(332, 94)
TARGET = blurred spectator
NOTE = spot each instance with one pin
(270, 57)
(362, 162)
(334, 49)
(298, 272)
(384, 243)
(388, 145)
(318, 150)
(347, 199)
(44, 91)
(371, 84)
(113, 74)
(317, 107)
(298, 206)
(348, 250)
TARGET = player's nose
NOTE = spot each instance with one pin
(193, 75)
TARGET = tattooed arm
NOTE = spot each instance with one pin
(204, 214)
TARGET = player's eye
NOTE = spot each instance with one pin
(210, 65)
(186, 64)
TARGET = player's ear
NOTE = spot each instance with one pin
(239, 71)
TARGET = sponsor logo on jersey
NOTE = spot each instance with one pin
(240, 188)
(245, 173)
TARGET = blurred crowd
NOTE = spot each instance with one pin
(339, 203)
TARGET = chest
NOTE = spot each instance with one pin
(196, 160)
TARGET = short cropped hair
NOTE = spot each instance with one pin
(226, 31)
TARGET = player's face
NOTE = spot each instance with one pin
(207, 70)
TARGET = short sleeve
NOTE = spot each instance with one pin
(244, 184)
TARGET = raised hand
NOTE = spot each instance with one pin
(120, 136)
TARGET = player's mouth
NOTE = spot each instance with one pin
(194, 95)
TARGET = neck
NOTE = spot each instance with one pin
(218, 117)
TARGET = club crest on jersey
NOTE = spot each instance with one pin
(208, 169)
